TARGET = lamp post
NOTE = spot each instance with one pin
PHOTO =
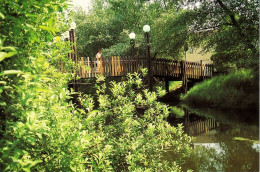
(186, 49)
(72, 36)
(65, 36)
(132, 42)
(146, 30)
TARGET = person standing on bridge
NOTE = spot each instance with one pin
(98, 57)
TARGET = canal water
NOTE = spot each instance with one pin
(224, 140)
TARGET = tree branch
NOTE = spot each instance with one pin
(236, 25)
(231, 16)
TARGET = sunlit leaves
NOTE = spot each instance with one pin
(6, 52)
(10, 72)
(131, 122)
(38, 122)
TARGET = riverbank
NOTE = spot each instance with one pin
(237, 90)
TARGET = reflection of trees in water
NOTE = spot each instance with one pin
(227, 154)
(204, 158)
(224, 156)
(239, 155)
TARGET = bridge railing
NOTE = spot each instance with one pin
(198, 70)
(110, 66)
(120, 66)
(166, 67)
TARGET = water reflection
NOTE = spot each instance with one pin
(224, 140)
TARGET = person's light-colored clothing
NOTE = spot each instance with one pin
(98, 57)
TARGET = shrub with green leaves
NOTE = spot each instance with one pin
(128, 130)
(42, 130)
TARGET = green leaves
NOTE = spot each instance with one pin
(49, 29)
(235, 90)
(10, 72)
(4, 55)
(2, 16)
(40, 127)
(6, 52)
(128, 132)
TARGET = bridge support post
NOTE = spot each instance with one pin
(167, 85)
(187, 120)
(184, 77)
(201, 70)
(185, 85)
(72, 36)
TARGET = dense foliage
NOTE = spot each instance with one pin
(227, 29)
(235, 90)
(230, 28)
(128, 131)
(42, 130)
(38, 124)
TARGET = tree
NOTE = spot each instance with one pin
(108, 26)
(229, 29)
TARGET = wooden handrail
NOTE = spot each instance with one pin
(120, 66)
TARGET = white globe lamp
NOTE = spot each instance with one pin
(73, 26)
(132, 35)
(146, 28)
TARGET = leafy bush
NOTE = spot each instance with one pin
(128, 131)
(235, 90)
(41, 130)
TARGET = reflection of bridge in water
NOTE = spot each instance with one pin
(199, 127)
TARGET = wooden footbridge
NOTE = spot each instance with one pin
(170, 70)
(120, 66)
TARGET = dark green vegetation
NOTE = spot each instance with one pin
(228, 28)
(42, 130)
(235, 90)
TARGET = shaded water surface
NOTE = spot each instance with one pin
(225, 140)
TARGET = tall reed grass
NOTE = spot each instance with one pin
(237, 90)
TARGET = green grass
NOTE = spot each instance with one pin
(177, 112)
(235, 90)
(173, 85)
